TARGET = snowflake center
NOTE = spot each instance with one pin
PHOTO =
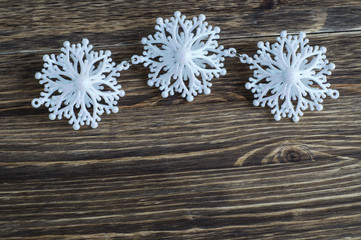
(82, 83)
(182, 56)
(290, 76)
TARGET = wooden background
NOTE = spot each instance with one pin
(216, 168)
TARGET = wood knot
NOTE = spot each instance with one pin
(292, 153)
(283, 153)
(268, 5)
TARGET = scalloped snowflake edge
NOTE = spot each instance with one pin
(189, 56)
(74, 82)
(289, 76)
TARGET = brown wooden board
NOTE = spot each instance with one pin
(215, 168)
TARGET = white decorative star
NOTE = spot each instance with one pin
(183, 56)
(290, 76)
(78, 80)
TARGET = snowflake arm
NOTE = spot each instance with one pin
(183, 56)
(80, 84)
(290, 76)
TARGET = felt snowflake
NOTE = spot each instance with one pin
(183, 56)
(290, 76)
(79, 84)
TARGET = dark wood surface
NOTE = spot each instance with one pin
(216, 168)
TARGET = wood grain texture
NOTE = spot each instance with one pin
(216, 168)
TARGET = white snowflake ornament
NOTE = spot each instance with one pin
(290, 76)
(183, 56)
(80, 84)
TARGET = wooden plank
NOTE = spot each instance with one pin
(216, 168)
(39, 25)
(223, 126)
(319, 200)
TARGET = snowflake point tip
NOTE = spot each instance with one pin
(38, 75)
(302, 35)
(202, 17)
(85, 41)
(159, 21)
(94, 125)
(52, 116)
(107, 53)
(190, 98)
(115, 109)
(295, 119)
(46, 58)
(165, 94)
(277, 117)
(177, 14)
(76, 126)
(283, 34)
(66, 44)
(144, 40)
(150, 83)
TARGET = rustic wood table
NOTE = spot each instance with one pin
(215, 168)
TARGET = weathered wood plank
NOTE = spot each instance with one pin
(217, 204)
(37, 25)
(223, 126)
(218, 135)
(216, 168)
